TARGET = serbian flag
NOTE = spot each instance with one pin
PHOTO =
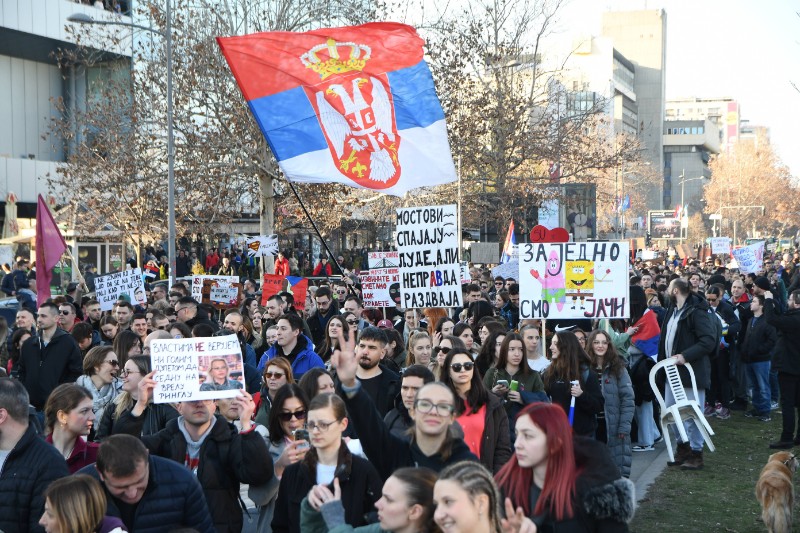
(353, 105)
(648, 334)
(50, 246)
(508, 247)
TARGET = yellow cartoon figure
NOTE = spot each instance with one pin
(579, 280)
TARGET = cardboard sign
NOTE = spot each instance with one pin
(262, 245)
(204, 368)
(507, 270)
(750, 259)
(383, 259)
(574, 280)
(110, 287)
(380, 287)
(197, 284)
(721, 245)
(273, 284)
(221, 294)
(427, 245)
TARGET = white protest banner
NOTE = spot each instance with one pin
(507, 270)
(378, 285)
(427, 243)
(203, 368)
(750, 259)
(222, 281)
(721, 245)
(465, 277)
(648, 255)
(262, 245)
(383, 259)
(574, 280)
(224, 295)
(110, 287)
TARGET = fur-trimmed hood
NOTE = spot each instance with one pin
(615, 501)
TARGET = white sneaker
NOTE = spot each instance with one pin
(773, 406)
(643, 448)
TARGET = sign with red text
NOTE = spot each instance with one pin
(378, 285)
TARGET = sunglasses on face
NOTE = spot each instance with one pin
(442, 349)
(457, 367)
(286, 417)
(352, 322)
(65, 312)
(274, 375)
(113, 363)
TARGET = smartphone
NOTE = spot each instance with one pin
(503, 382)
(302, 434)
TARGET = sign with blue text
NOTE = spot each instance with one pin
(574, 280)
(427, 246)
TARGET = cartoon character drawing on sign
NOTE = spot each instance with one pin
(580, 280)
(553, 288)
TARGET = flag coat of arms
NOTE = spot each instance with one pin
(353, 105)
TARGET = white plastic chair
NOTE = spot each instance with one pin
(683, 408)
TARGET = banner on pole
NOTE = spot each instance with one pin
(221, 281)
(109, 288)
(574, 280)
(204, 368)
(262, 245)
(380, 287)
(721, 245)
(427, 243)
(750, 258)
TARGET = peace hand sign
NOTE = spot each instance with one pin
(344, 360)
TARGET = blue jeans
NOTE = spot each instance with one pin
(648, 432)
(695, 437)
(758, 375)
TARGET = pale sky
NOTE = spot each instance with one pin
(745, 49)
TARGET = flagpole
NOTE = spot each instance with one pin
(324, 244)
(78, 271)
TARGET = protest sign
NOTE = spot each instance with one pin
(262, 245)
(465, 277)
(383, 259)
(427, 245)
(221, 294)
(750, 259)
(204, 368)
(721, 245)
(380, 287)
(574, 280)
(273, 284)
(110, 287)
(507, 270)
(197, 284)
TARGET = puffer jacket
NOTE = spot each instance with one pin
(29, 468)
(618, 408)
(222, 465)
(173, 499)
(303, 357)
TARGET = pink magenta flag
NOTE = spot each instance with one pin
(50, 246)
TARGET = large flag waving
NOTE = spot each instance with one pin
(50, 246)
(353, 105)
(510, 244)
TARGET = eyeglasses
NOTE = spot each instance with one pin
(498, 283)
(286, 417)
(443, 349)
(426, 406)
(456, 367)
(321, 426)
(711, 300)
(274, 375)
(125, 373)
(352, 322)
(113, 363)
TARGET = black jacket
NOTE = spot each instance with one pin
(202, 318)
(787, 348)
(695, 339)
(759, 341)
(43, 368)
(604, 501)
(360, 484)
(398, 420)
(155, 417)
(172, 499)
(318, 323)
(388, 452)
(587, 406)
(222, 463)
(388, 389)
(28, 470)
(496, 443)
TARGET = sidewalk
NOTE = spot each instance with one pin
(646, 467)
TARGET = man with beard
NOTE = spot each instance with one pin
(380, 383)
(92, 312)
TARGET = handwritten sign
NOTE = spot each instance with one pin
(221, 294)
(197, 284)
(273, 284)
(262, 245)
(507, 270)
(110, 287)
(574, 280)
(427, 245)
(721, 245)
(204, 368)
(380, 287)
(750, 258)
(383, 259)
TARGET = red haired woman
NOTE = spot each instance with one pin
(564, 483)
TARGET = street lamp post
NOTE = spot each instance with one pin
(683, 182)
(82, 18)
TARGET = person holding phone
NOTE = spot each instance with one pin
(328, 459)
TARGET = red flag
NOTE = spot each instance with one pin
(50, 246)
